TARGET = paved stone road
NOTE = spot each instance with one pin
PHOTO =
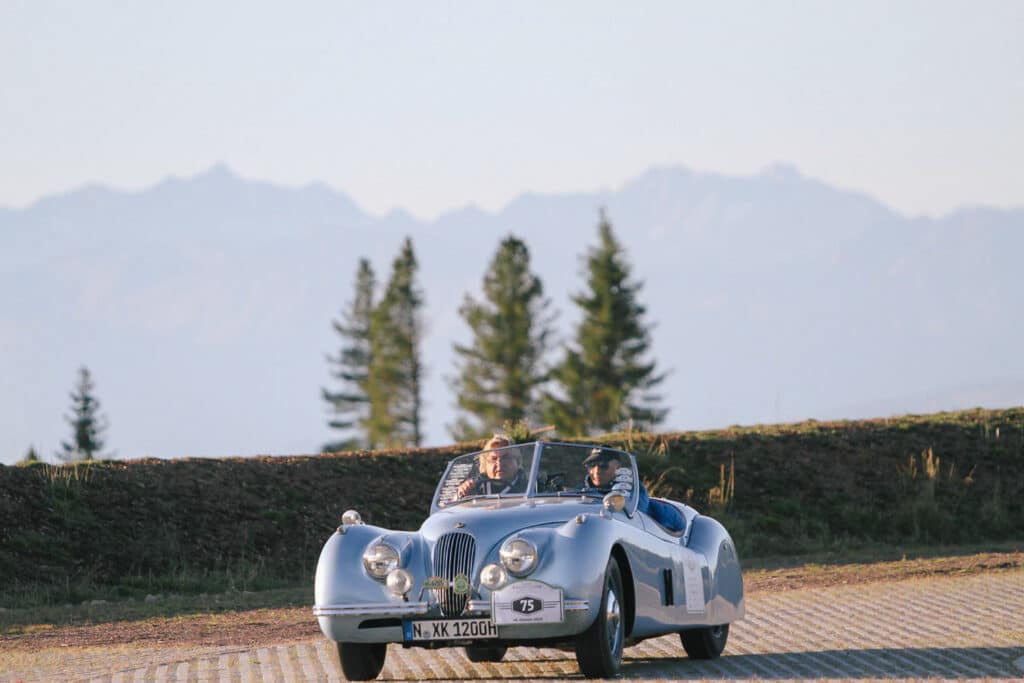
(940, 628)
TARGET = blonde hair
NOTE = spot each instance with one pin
(497, 441)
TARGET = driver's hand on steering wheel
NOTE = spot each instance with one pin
(467, 486)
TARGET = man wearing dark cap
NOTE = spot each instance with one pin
(602, 463)
(601, 466)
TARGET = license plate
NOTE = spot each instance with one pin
(449, 629)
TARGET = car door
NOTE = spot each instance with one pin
(684, 576)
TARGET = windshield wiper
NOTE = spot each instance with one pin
(479, 496)
(463, 499)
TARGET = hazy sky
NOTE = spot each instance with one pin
(433, 105)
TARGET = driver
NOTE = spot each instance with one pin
(602, 463)
(500, 471)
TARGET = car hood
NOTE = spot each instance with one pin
(490, 519)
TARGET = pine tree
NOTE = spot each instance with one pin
(30, 456)
(87, 425)
(605, 384)
(350, 405)
(394, 386)
(499, 373)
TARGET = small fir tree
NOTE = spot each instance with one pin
(86, 423)
(30, 456)
(395, 378)
(604, 381)
(500, 371)
(350, 404)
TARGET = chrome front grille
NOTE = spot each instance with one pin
(453, 555)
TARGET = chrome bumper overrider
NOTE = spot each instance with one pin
(477, 607)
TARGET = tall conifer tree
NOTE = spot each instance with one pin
(350, 404)
(501, 370)
(395, 379)
(605, 382)
(86, 423)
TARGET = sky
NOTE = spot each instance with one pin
(431, 106)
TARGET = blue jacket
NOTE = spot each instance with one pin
(663, 513)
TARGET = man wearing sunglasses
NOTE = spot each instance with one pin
(603, 463)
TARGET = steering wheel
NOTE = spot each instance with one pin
(479, 480)
(554, 483)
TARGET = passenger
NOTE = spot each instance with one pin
(500, 471)
(603, 463)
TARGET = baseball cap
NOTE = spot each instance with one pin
(599, 454)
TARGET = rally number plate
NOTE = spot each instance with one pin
(449, 629)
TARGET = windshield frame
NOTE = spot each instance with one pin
(632, 500)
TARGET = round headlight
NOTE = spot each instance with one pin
(614, 501)
(399, 581)
(519, 556)
(379, 559)
(493, 576)
(351, 517)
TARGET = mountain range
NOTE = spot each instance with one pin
(203, 305)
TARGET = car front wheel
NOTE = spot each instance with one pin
(705, 643)
(599, 648)
(361, 661)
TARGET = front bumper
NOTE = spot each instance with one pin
(382, 622)
(389, 609)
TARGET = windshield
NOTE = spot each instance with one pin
(536, 470)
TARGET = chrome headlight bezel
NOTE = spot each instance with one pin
(493, 576)
(518, 556)
(399, 581)
(379, 559)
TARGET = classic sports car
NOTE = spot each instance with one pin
(549, 562)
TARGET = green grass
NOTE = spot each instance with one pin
(241, 579)
(113, 608)
(876, 552)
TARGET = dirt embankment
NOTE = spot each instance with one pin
(263, 627)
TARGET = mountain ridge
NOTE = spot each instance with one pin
(219, 291)
(219, 172)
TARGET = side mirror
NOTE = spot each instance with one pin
(614, 501)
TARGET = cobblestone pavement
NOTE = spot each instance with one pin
(946, 628)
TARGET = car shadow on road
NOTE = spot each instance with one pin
(952, 663)
(927, 662)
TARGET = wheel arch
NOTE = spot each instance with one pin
(711, 538)
(627, 585)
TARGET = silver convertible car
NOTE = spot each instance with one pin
(540, 558)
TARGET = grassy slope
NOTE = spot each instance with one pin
(217, 524)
